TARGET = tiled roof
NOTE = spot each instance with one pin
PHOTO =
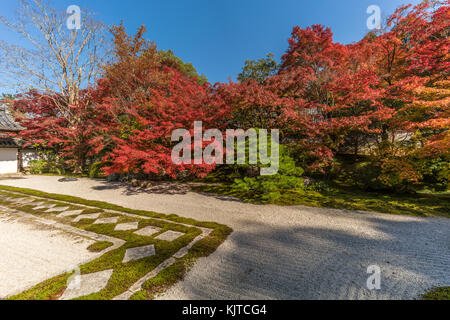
(8, 143)
(7, 123)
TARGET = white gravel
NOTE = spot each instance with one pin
(288, 252)
(31, 252)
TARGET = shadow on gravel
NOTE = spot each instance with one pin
(161, 187)
(158, 187)
(11, 177)
(325, 263)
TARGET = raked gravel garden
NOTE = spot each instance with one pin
(107, 241)
(135, 253)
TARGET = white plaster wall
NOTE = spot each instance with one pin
(8, 160)
(27, 156)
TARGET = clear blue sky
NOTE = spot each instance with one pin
(218, 36)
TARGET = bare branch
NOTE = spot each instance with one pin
(55, 61)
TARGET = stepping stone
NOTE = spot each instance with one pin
(169, 235)
(69, 213)
(57, 209)
(87, 216)
(127, 226)
(18, 199)
(10, 199)
(106, 220)
(147, 231)
(23, 200)
(83, 285)
(37, 203)
(46, 206)
(139, 253)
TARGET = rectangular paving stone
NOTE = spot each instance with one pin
(83, 285)
(87, 216)
(19, 199)
(10, 198)
(24, 200)
(139, 253)
(106, 220)
(70, 213)
(126, 226)
(147, 231)
(45, 206)
(57, 209)
(38, 203)
(169, 235)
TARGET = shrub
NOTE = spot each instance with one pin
(269, 188)
(266, 188)
(399, 175)
(436, 173)
(95, 170)
(318, 186)
(38, 166)
(49, 164)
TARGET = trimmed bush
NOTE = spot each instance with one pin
(38, 166)
(269, 188)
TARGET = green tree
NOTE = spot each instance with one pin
(168, 58)
(7, 96)
(259, 70)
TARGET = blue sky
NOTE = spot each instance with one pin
(218, 36)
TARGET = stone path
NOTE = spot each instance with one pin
(83, 285)
(169, 235)
(127, 226)
(138, 253)
(148, 231)
(107, 221)
(289, 252)
(86, 284)
(24, 238)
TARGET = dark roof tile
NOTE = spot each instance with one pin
(7, 123)
(8, 143)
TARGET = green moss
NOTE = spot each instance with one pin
(50, 289)
(165, 279)
(99, 246)
(176, 272)
(442, 293)
(108, 206)
(124, 274)
(420, 204)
